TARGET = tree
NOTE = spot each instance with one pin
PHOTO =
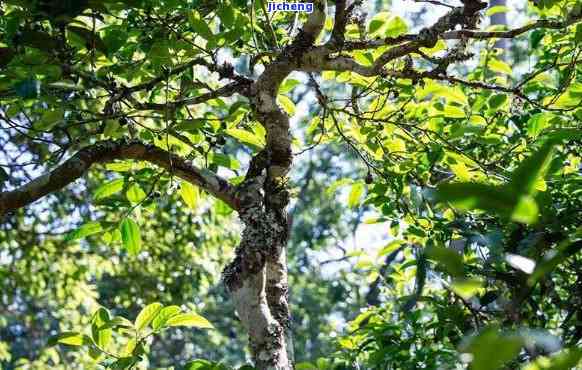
(138, 86)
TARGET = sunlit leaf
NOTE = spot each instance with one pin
(288, 85)
(247, 137)
(199, 25)
(131, 236)
(108, 189)
(135, 194)
(499, 66)
(466, 288)
(452, 111)
(189, 194)
(190, 320)
(147, 315)
(287, 104)
(526, 210)
(71, 339)
(87, 229)
(355, 194)
(100, 332)
(164, 315)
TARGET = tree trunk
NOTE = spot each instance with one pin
(257, 280)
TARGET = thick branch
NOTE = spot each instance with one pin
(463, 33)
(107, 151)
(340, 20)
(313, 26)
(481, 35)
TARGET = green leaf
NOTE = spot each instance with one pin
(147, 315)
(537, 123)
(84, 230)
(199, 25)
(118, 322)
(165, 314)
(497, 100)
(247, 137)
(451, 94)
(391, 247)
(131, 237)
(526, 210)
(396, 27)
(524, 178)
(189, 194)
(305, 366)
(92, 39)
(565, 249)
(568, 359)
(355, 195)
(115, 38)
(119, 166)
(101, 334)
(377, 22)
(108, 189)
(135, 194)
(129, 347)
(125, 363)
(159, 54)
(199, 365)
(469, 196)
(452, 111)
(387, 25)
(224, 160)
(536, 37)
(49, 119)
(499, 66)
(491, 350)
(190, 320)
(578, 34)
(222, 208)
(288, 85)
(287, 104)
(448, 258)
(466, 288)
(71, 339)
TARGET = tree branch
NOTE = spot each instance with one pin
(108, 151)
(542, 23)
(313, 26)
(230, 89)
(463, 33)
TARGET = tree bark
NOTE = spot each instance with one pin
(257, 278)
(108, 151)
(257, 281)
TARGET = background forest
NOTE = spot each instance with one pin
(434, 201)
